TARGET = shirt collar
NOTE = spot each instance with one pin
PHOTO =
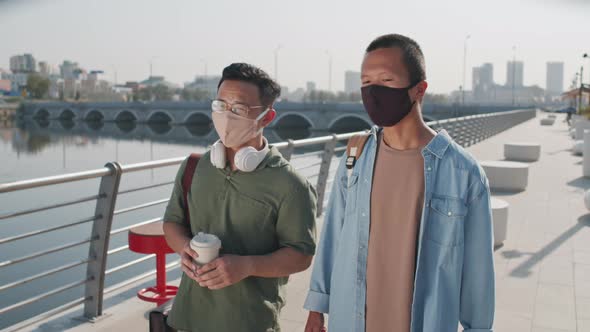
(437, 145)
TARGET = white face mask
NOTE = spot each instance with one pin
(234, 130)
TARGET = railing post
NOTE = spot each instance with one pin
(325, 172)
(101, 229)
(288, 151)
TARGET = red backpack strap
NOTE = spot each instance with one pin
(187, 180)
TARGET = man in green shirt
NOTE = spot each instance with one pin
(250, 197)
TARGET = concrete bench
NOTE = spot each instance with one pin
(506, 175)
(522, 151)
(547, 122)
(578, 148)
(580, 126)
(500, 220)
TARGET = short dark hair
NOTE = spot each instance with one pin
(268, 89)
(412, 54)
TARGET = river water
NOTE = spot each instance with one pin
(32, 149)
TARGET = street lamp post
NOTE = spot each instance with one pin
(152, 65)
(580, 102)
(329, 70)
(464, 70)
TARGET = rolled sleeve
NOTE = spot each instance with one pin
(318, 302)
(296, 220)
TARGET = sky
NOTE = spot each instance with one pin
(184, 38)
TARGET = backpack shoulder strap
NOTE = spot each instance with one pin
(354, 149)
(187, 180)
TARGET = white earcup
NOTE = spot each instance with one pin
(248, 158)
(218, 155)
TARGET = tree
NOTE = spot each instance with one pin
(194, 94)
(162, 92)
(37, 86)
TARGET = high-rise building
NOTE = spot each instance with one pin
(23, 63)
(554, 77)
(352, 81)
(69, 70)
(310, 86)
(44, 68)
(483, 81)
(515, 73)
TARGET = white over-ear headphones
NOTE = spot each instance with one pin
(246, 159)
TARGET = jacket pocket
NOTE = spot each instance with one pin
(445, 220)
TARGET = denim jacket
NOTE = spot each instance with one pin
(454, 277)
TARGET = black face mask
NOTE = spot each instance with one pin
(386, 106)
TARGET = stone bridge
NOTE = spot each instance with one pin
(335, 117)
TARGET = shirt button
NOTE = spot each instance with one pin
(430, 168)
(363, 214)
(449, 213)
(228, 177)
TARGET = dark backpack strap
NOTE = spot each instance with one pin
(187, 180)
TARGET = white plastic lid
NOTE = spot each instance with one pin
(204, 240)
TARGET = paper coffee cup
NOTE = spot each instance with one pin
(207, 247)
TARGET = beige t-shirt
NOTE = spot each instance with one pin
(396, 208)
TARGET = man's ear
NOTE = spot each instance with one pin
(269, 117)
(420, 90)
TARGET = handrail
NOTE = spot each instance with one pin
(53, 206)
(56, 179)
(47, 230)
(141, 206)
(465, 130)
(44, 295)
(44, 274)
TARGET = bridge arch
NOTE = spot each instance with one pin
(293, 120)
(67, 114)
(67, 123)
(197, 119)
(348, 123)
(41, 114)
(94, 116)
(126, 116)
(160, 117)
(159, 128)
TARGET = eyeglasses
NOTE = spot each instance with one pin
(242, 110)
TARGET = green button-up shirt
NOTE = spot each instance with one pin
(252, 213)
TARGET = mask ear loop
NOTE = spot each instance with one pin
(258, 118)
(410, 87)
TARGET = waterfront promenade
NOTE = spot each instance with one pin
(542, 270)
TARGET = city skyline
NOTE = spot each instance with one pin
(181, 51)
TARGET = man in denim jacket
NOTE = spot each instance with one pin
(407, 241)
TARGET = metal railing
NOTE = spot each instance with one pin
(465, 131)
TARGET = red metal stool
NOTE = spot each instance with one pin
(149, 239)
